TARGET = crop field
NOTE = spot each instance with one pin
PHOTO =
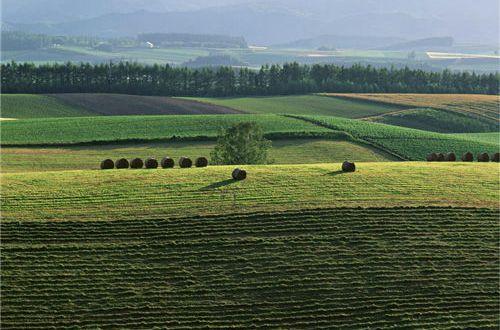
(62, 131)
(303, 105)
(288, 151)
(346, 268)
(436, 121)
(150, 194)
(408, 143)
(37, 106)
(483, 106)
(482, 137)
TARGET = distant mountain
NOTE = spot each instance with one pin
(427, 44)
(261, 21)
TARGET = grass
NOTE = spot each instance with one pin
(408, 143)
(151, 194)
(481, 137)
(341, 268)
(290, 151)
(60, 131)
(485, 107)
(303, 105)
(37, 106)
(436, 121)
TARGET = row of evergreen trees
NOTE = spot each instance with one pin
(292, 78)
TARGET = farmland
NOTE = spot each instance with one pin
(415, 268)
(288, 151)
(37, 106)
(408, 143)
(143, 194)
(303, 105)
(61, 131)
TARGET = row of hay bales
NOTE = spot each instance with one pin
(152, 163)
(467, 157)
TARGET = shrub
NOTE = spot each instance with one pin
(243, 143)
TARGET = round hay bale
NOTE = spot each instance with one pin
(167, 162)
(201, 162)
(483, 157)
(451, 157)
(122, 163)
(441, 157)
(348, 167)
(136, 163)
(432, 157)
(151, 163)
(185, 162)
(239, 174)
(107, 164)
(468, 157)
(495, 157)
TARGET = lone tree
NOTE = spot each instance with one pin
(241, 144)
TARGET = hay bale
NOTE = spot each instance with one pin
(451, 157)
(348, 167)
(107, 164)
(151, 163)
(185, 162)
(432, 157)
(483, 157)
(167, 162)
(239, 174)
(468, 157)
(201, 162)
(495, 157)
(122, 163)
(136, 163)
(441, 157)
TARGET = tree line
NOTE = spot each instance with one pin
(290, 78)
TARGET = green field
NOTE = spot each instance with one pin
(150, 194)
(133, 128)
(482, 137)
(342, 268)
(289, 151)
(36, 106)
(303, 105)
(436, 121)
(408, 143)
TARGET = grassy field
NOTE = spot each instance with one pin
(303, 105)
(345, 268)
(290, 151)
(150, 194)
(37, 106)
(436, 121)
(482, 137)
(408, 143)
(481, 106)
(129, 128)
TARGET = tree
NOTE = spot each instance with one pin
(241, 144)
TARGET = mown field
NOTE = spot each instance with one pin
(37, 106)
(483, 106)
(303, 105)
(410, 144)
(482, 137)
(345, 268)
(288, 151)
(60, 131)
(150, 194)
